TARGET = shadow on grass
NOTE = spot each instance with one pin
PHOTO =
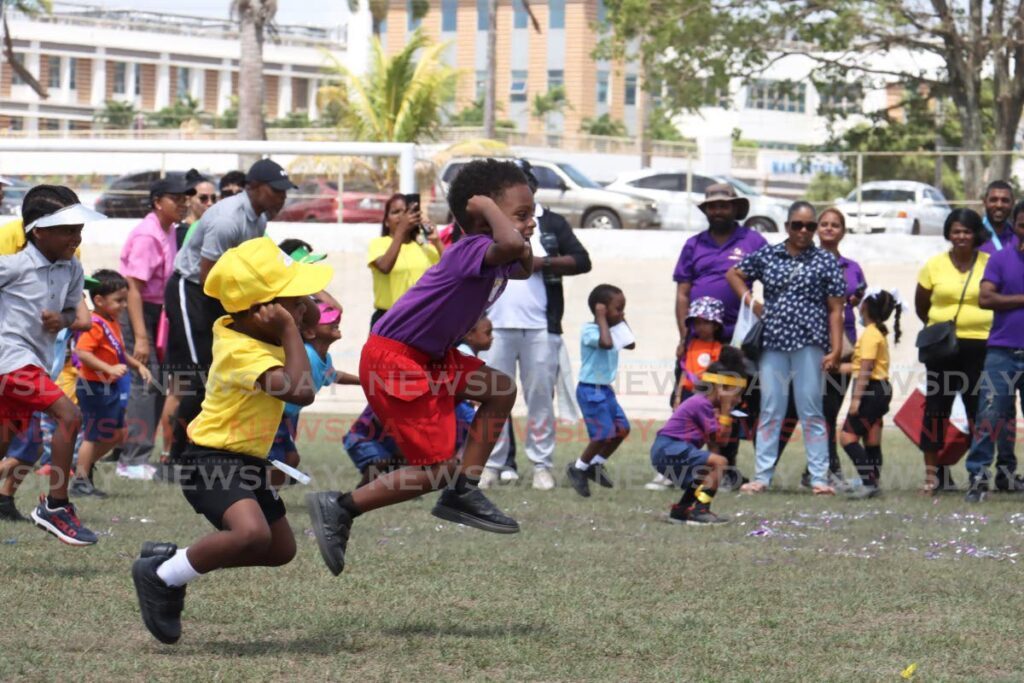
(323, 643)
(430, 628)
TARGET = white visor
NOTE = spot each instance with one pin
(75, 214)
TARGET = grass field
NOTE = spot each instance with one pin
(796, 588)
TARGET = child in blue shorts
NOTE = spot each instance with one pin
(606, 422)
(704, 419)
(372, 450)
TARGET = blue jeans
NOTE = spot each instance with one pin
(776, 370)
(1001, 381)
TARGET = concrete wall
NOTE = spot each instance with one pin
(639, 262)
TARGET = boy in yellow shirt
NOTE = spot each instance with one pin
(259, 364)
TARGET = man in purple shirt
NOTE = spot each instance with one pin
(1002, 290)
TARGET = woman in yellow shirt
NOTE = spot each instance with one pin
(398, 258)
(939, 286)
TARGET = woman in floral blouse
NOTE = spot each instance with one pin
(802, 340)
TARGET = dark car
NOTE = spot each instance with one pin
(128, 196)
(316, 201)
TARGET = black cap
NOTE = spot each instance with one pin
(176, 184)
(271, 173)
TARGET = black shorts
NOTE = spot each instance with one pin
(214, 480)
(874, 405)
(190, 317)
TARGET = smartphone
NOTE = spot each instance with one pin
(412, 203)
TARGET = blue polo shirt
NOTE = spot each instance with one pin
(599, 365)
(323, 374)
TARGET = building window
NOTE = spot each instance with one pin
(481, 15)
(519, 17)
(17, 122)
(72, 73)
(449, 15)
(602, 12)
(840, 98)
(556, 10)
(517, 93)
(382, 27)
(16, 79)
(629, 95)
(120, 78)
(49, 124)
(137, 69)
(53, 66)
(556, 78)
(602, 87)
(777, 96)
(183, 90)
(412, 20)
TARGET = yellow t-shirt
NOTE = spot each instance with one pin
(946, 282)
(872, 345)
(12, 238)
(413, 260)
(237, 415)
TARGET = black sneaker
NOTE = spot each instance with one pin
(331, 526)
(9, 513)
(578, 479)
(80, 486)
(977, 492)
(731, 480)
(805, 480)
(599, 473)
(472, 508)
(158, 549)
(697, 515)
(1011, 484)
(160, 604)
(863, 492)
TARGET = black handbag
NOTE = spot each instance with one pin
(936, 343)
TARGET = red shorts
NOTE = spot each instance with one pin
(24, 391)
(414, 397)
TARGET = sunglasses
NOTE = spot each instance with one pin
(228, 193)
(809, 226)
(206, 198)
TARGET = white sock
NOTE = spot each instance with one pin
(177, 571)
(580, 465)
(598, 460)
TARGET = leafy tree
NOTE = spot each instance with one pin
(116, 115)
(294, 119)
(31, 8)
(551, 102)
(184, 109)
(229, 118)
(473, 117)
(661, 127)
(603, 125)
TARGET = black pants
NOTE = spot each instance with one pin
(146, 403)
(957, 374)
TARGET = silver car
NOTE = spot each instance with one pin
(567, 191)
(895, 206)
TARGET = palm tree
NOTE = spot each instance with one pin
(399, 99)
(31, 8)
(551, 102)
(254, 16)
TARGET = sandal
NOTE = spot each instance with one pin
(753, 487)
(823, 491)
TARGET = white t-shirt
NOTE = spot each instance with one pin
(524, 303)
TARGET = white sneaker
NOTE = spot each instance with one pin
(488, 478)
(659, 483)
(147, 472)
(542, 479)
(124, 471)
(509, 476)
(136, 472)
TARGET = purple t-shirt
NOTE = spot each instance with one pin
(854, 280)
(1005, 270)
(694, 420)
(437, 312)
(703, 263)
(1006, 238)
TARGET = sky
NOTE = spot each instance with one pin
(314, 12)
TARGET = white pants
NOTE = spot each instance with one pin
(536, 352)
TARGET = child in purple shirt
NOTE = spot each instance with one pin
(704, 419)
(413, 376)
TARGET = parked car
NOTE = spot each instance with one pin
(128, 196)
(566, 190)
(678, 207)
(14, 193)
(895, 206)
(316, 201)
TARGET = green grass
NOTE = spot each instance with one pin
(598, 589)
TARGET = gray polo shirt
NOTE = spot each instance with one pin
(225, 225)
(30, 284)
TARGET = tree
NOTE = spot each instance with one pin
(490, 92)
(181, 111)
(690, 44)
(229, 117)
(661, 127)
(31, 8)
(116, 115)
(399, 99)
(473, 117)
(254, 17)
(603, 125)
(551, 102)
(294, 119)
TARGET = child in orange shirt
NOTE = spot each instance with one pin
(705, 345)
(104, 381)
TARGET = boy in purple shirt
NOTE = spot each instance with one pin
(703, 419)
(413, 376)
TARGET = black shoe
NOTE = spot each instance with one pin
(697, 515)
(472, 508)
(331, 526)
(732, 480)
(160, 604)
(599, 473)
(9, 513)
(1011, 483)
(977, 492)
(945, 477)
(158, 549)
(80, 486)
(805, 480)
(863, 492)
(578, 479)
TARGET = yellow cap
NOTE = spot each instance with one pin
(256, 272)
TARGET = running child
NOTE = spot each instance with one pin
(40, 291)
(413, 376)
(606, 422)
(702, 420)
(259, 364)
(861, 437)
(104, 382)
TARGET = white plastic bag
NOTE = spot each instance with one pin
(958, 415)
(746, 320)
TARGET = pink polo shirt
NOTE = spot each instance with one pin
(148, 255)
